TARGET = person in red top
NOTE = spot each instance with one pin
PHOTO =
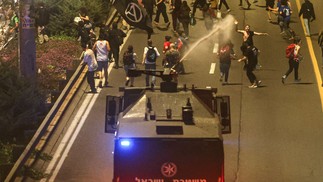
(167, 43)
(166, 47)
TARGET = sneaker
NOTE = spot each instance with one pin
(155, 22)
(297, 80)
(115, 67)
(269, 20)
(225, 83)
(127, 82)
(100, 84)
(228, 10)
(253, 86)
(106, 84)
(258, 83)
(283, 80)
(282, 32)
(91, 92)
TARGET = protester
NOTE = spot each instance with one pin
(184, 17)
(307, 11)
(149, 60)
(42, 20)
(102, 49)
(115, 38)
(129, 62)
(250, 60)
(226, 54)
(176, 6)
(209, 17)
(161, 9)
(269, 5)
(89, 60)
(247, 34)
(172, 60)
(293, 60)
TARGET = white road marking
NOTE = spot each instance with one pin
(70, 136)
(215, 48)
(212, 68)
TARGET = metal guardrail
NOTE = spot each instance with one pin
(47, 126)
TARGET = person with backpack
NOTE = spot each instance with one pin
(285, 13)
(226, 54)
(102, 48)
(308, 13)
(115, 38)
(320, 42)
(250, 59)
(129, 62)
(149, 60)
(294, 57)
(184, 17)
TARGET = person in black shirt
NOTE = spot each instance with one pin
(250, 59)
(115, 38)
(307, 11)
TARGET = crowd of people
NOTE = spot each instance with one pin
(182, 16)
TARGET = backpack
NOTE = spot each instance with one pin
(290, 50)
(151, 55)
(128, 58)
(184, 13)
(224, 53)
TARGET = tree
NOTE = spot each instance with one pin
(20, 102)
(62, 14)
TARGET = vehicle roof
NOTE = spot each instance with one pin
(133, 124)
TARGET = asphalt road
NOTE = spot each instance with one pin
(276, 129)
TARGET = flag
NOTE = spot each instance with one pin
(134, 14)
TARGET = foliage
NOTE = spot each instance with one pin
(34, 173)
(19, 103)
(5, 153)
(53, 59)
(62, 14)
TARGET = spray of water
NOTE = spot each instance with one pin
(225, 26)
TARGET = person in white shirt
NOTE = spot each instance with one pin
(89, 60)
(102, 49)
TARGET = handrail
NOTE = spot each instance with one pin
(48, 124)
